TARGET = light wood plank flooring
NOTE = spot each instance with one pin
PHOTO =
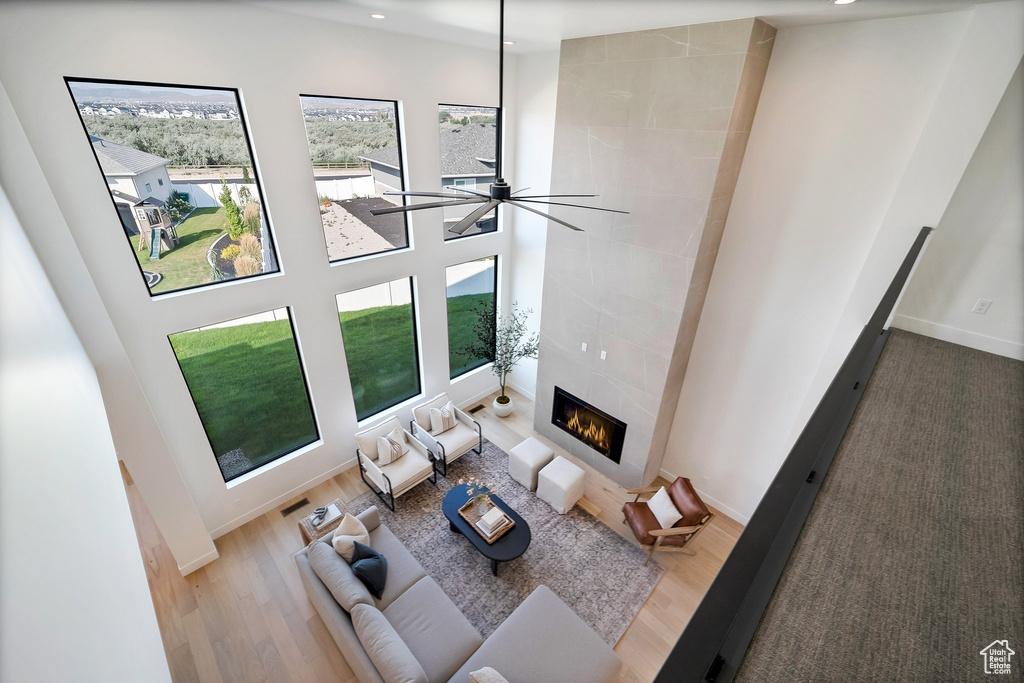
(245, 616)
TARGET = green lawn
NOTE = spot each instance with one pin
(461, 319)
(246, 383)
(381, 356)
(186, 264)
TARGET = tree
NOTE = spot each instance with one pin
(505, 341)
(245, 175)
(444, 116)
(231, 211)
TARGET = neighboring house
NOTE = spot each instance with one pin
(132, 176)
(467, 160)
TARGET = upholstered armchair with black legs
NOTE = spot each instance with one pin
(447, 431)
(392, 461)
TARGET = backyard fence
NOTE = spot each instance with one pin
(205, 195)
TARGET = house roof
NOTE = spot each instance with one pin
(135, 201)
(465, 150)
(118, 159)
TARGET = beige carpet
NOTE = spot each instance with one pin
(912, 558)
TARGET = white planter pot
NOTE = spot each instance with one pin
(503, 409)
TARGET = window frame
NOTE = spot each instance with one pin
(497, 152)
(402, 174)
(305, 386)
(453, 377)
(271, 234)
(413, 306)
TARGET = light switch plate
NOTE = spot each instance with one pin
(584, 346)
(604, 355)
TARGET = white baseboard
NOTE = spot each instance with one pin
(954, 335)
(198, 562)
(283, 498)
(528, 394)
(712, 501)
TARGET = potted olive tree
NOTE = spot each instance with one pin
(506, 341)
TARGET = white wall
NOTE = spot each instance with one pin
(977, 250)
(71, 574)
(814, 236)
(536, 90)
(297, 55)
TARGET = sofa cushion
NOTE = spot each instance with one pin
(393, 659)
(367, 439)
(421, 413)
(544, 640)
(436, 632)
(350, 531)
(411, 467)
(346, 588)
(403, 569)
(371, 568)
(487, 675)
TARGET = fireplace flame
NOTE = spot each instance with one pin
(591, 432)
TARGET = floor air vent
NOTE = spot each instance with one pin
(476, 408)
(294, 506)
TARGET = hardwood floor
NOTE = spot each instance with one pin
(245, 616)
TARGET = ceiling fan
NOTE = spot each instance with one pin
(500, 191)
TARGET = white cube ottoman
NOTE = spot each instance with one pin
(526, 460)
(560, 484)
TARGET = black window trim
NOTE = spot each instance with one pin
(305, 385)
(482, 363)
(252, 158)
(402, 173)
(497, 153)
(413, 302)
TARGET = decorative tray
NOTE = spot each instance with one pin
(469, 513)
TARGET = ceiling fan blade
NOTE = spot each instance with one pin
(462, 189)
(549, 196)
(425, 194)
(541, 213)
(578, 206)
(521, 190)
(470, 220)
(429, 205)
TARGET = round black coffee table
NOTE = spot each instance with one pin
(508, 547)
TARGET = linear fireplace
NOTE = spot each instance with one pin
(594, 427)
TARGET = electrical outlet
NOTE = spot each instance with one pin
(584, 346)
(982, 306)
(604, 355)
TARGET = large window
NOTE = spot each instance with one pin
(471, 314)
(180, 171)
(469, 149)
(378, 325)
(248, 385)
(355, 148)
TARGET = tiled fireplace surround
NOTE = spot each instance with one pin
(656, 123)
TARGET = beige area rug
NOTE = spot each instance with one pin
(596, 572)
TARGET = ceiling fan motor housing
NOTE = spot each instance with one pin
(501, 190)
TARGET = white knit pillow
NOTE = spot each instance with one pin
(664, 509)
(349, 532)
(486, 675)
(442, 419)
(391, 447)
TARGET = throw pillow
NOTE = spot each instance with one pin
(664, 509)
(371, 568)
(349, 531)
(388, 450)
(442, 419)
(486, 675)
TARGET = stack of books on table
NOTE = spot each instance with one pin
(493, 522)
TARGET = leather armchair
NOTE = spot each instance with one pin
(695, 517)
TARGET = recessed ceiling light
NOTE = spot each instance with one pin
(509, 42)
(843, 2)
(381, 16)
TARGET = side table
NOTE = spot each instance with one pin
(311, 533)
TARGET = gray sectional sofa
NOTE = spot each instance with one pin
(415, 634)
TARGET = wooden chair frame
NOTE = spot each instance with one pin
(661, 534)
